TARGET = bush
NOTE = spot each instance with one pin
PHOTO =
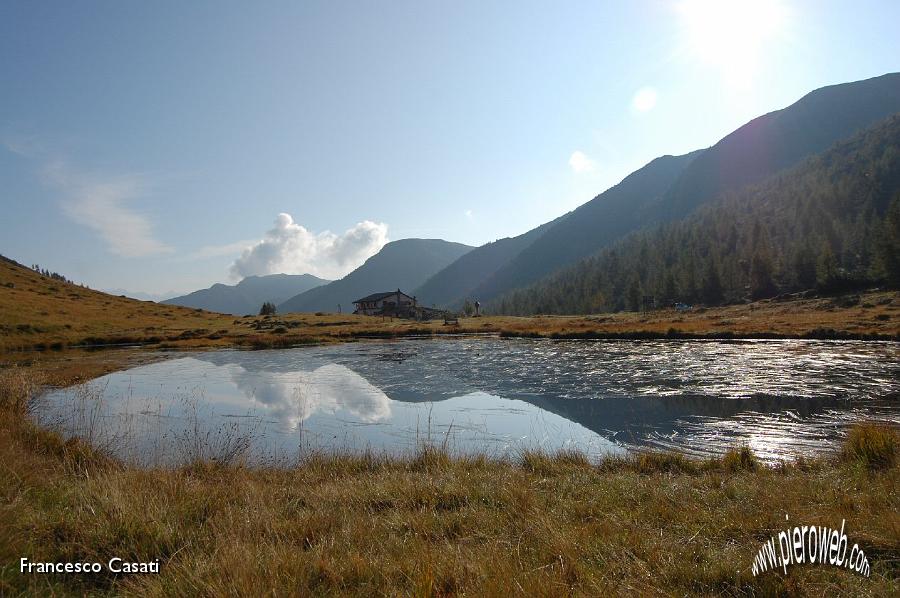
(873, 445)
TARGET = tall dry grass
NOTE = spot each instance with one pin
(873, 445)
(431, 523)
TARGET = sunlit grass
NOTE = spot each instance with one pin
(873, 445)
(40, 313)
(430, 522)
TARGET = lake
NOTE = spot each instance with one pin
(783, 398)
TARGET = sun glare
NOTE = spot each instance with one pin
(731, 34)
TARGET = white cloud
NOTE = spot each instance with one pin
(469, 214)
(644, 99)
(290, 248)
(101, 203)
(580, 162)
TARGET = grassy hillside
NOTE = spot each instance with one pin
(37, 311)
(40, 313)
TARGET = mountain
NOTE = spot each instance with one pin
(670, 188)
(139, 295)
(450, 286)
(247, 296)
(831, 223)
(782, 138)
(404, 264)
(612, 214)
(493, 268)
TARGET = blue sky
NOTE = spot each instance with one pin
(144, 146)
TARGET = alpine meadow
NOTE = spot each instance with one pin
(433, 299)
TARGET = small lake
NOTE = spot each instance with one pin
(783, 398)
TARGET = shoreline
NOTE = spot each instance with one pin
(93, 364)
(348, 524)
(39, 314)
(411, 331)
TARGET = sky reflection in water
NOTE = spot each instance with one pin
(497, 396)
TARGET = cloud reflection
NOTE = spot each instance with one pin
(293, 397)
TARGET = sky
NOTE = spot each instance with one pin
(159, 147)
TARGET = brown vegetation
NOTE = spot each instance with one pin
(38, 313)
(431, 523)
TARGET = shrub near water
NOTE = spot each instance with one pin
(873, 445)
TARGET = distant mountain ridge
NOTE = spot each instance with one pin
(404, 264)
(139, 295)
(248, 295)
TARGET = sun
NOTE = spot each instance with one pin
(731, 34)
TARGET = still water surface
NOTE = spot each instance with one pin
(489, 395)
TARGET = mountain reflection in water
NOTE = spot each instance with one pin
(499, 396)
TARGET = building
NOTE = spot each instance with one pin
(393, 303)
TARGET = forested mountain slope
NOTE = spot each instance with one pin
(782, 138)
(612, 214)
(831, 222)
(670, 188)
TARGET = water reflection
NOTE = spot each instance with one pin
(293, 396)
(784, 398)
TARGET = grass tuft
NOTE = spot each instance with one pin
(872, 445)
(740, 459)
(656, 462)
(18, 387)
(550, 464)
(429, 458)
